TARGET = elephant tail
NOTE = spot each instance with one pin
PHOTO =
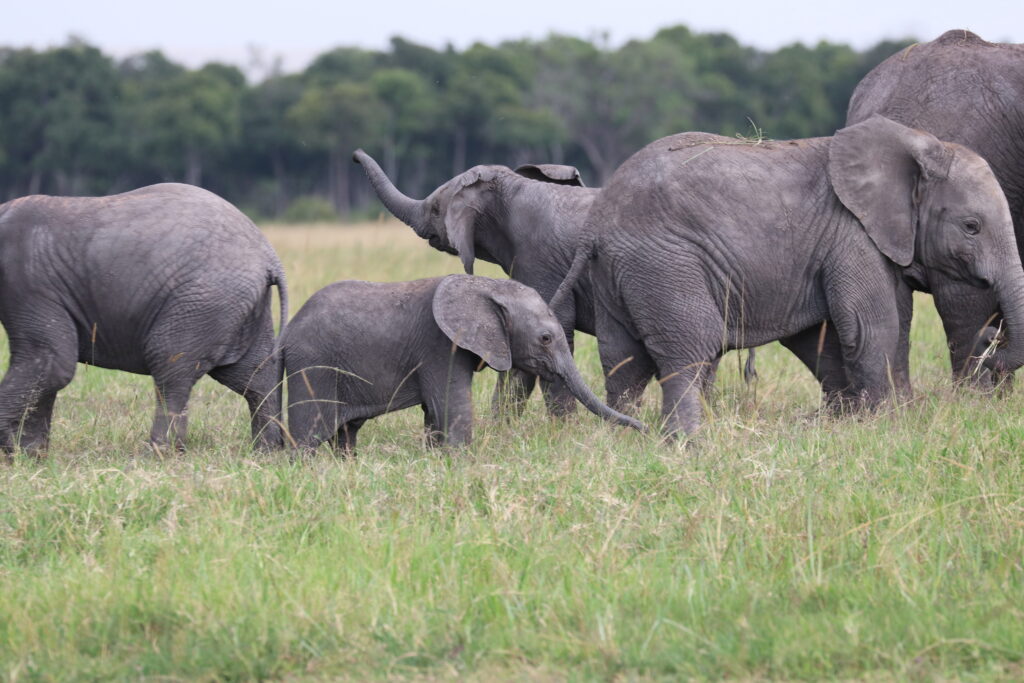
(276, 277)
(584, 252)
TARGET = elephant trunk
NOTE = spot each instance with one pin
(569, 374)
(405, 209)
(1010, 293)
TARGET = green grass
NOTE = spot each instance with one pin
(788, 546)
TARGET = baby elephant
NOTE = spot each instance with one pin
(361, 349)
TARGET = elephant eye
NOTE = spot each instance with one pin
(546, 338)
(971, 226)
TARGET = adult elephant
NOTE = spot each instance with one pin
(702, 243)
(527, 221)
(962, 89)
(168, 280)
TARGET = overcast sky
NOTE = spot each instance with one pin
(197, 31)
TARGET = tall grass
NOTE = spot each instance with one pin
(787, 545)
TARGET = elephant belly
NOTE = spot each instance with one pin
(128, 356)
(361, 396)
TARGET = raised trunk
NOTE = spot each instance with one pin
(572, 378)
(405, 209)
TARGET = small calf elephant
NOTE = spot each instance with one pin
(361, 349)
(525, 220)
(167, 280)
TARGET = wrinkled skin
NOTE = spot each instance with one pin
(768, 239)
(528, 222)
(168, 280)
(361, 349)
(961, 89)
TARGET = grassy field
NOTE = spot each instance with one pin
(787, 547)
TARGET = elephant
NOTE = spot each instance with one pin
(357, 350)
(167, 280)
(525, 220)
(961, 89)
(701, 243)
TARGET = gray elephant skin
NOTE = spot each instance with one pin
(168, 280)
(361, 349)
(527, 221)
(961, 89)
(702, 244)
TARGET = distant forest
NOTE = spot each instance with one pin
(75, 121)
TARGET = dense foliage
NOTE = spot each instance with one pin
(75, 121)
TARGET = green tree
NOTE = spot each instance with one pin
(184, 121)
(484, 80)
(336, 118)
(268, 141)
(58, 111)
(410, 110)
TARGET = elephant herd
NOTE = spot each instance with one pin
(698, 244)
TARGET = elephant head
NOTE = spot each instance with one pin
(936, 209)
(508, 325)
(448, 217)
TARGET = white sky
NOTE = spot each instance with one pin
(196, 31)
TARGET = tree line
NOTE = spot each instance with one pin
(75, 121)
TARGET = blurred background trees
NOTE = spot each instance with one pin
(76, 121)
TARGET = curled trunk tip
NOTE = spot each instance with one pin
(404, 208)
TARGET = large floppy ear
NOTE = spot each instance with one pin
(467, 202)
(468, 311)
(552, 173)
(877, 168)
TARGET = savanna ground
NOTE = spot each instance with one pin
(787, 546)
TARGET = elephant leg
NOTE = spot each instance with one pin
(868, 326)
(447, 391)
(681, 387)
(557, 397)
(511, 393)
(682, 333)
(626, 364)
(966, 312)
(40, 366)
(313, 407)
(448, 422)
(707, 384)
(170, 423)
(901, 363)
(35, 429)
(256, 376)
(820, 350)
(344, 441)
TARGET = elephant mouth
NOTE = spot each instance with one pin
(436, 243)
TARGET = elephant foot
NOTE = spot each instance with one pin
(164, 449)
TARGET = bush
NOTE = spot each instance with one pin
(309, 209)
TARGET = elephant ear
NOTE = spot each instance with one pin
(552, 173)
(468, 311)
(468, 201)
(877, 168)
